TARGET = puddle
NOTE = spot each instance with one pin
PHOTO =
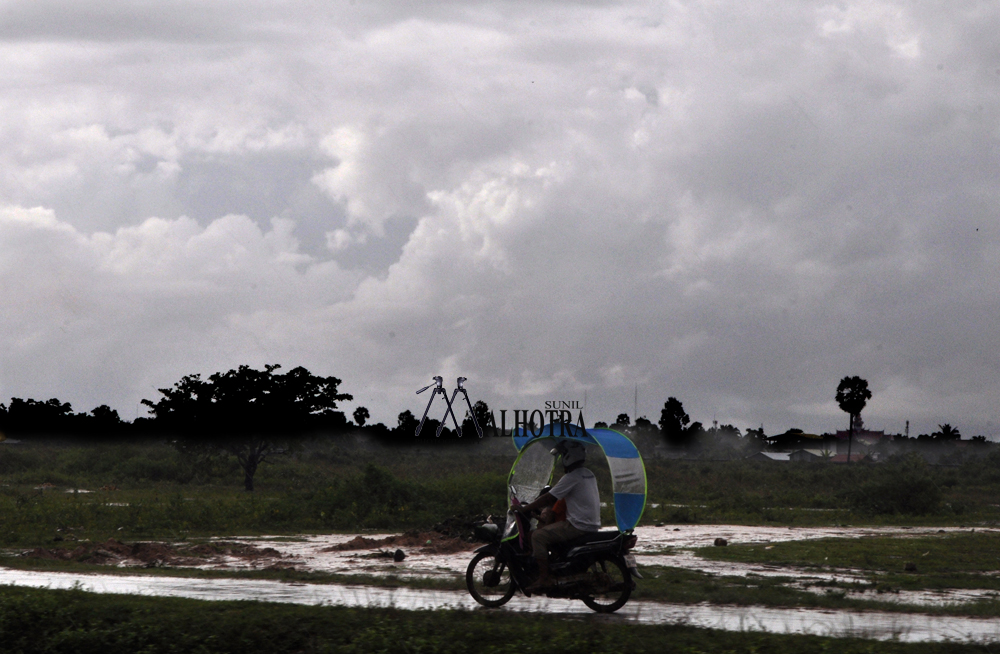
(872, 625)
(314, 554)
(308, 554)
(317, 553)
(655, 539)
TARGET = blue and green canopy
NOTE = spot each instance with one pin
(533, 468)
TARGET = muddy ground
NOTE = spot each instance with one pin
(424, 542)
(155, 555)
(246, 554)
(433, 554)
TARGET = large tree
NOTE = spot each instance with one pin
(481, 410)
(674, 423)
(249, 414)
(852, 396)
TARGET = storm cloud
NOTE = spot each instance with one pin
(733, 205)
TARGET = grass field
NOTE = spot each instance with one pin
(48, 621)
(330, 484)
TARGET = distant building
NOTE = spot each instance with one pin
(795, 440)
(808, 456)
(770, 456)
(862, 438)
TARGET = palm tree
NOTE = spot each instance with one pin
(852, 395)
(947, 433)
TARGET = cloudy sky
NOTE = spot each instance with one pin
(734, 206)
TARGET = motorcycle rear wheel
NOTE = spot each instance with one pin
(613, 577)
(489, 581)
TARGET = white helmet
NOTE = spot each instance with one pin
(571, 451)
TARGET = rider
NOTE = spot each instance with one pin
(578, 487)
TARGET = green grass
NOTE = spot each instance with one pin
(941, 554)
(160, 495)
(327, 484)
(812, 494)
(943, 561)
(46, 621)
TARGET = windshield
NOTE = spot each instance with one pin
(531, 473)
(533, 468)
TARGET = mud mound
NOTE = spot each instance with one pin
(461, 526)
(240, 550)
(151, 554)
(358, 543)
(426, 542)
(47, 554)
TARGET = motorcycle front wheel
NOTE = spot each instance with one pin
(611, 585)
(489, 580)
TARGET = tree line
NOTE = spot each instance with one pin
(253, 415)
(676, 428)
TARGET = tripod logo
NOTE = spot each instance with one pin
(439, 388)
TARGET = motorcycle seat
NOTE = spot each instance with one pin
(593, 537)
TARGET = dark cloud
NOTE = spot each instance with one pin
(114, 21)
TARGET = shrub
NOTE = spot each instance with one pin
(904, 487)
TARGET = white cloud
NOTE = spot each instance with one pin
(113, 312)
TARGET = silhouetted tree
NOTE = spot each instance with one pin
(250, 414)
(852, 395)
(56, 417)
(946, 432)
(622, 420)
(693, 432)
(35, 416)
(674, 423)
(103, 421)
(755, 439)
(482, 412)
(642, 424)
(105, 415)
(361, 415)
(729, 431)
(406, 424)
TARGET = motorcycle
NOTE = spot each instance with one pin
(597, 568)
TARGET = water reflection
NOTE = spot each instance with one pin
(875, 625)
(670, 546)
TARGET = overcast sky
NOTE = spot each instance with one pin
(736, 204)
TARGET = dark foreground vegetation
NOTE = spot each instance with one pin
(47, 621)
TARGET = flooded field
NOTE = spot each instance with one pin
(684, 540)
(428, 555)
(667, 546)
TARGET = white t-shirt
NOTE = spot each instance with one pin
(583, 502)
